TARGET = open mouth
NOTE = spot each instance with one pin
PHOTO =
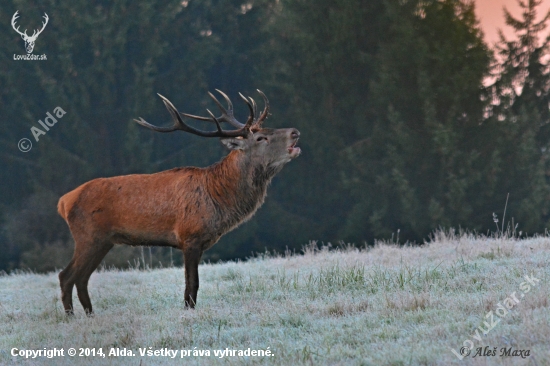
(293, 149)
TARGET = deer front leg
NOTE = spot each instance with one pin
(191, 257)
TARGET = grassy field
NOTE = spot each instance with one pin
(388, 305)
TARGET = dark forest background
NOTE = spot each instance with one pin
(409, 121)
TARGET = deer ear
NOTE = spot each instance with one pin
(233, 143)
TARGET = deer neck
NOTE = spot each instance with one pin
(238, 187)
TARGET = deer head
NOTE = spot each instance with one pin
(29, 40)
(266, 148)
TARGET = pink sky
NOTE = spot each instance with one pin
(491, 16)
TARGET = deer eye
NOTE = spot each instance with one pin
(260, 138)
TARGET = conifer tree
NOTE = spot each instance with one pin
(420, 167)
(521, 116)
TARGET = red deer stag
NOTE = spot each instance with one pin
(187, 208)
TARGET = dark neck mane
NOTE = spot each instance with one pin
(238, 187)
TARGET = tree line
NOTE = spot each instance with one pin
(409, 120)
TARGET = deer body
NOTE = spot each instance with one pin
(186, 208)
(192, 202)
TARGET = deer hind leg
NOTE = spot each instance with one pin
(86, 258)
(191, 258)
(89, 261)
(66, 281)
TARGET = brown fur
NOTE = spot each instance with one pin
(185, 208)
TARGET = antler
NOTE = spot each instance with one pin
(43, 26)
(227, 116)
(265, 112)
(13, 19)
(34, 34)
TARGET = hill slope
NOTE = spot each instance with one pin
(388, 305)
